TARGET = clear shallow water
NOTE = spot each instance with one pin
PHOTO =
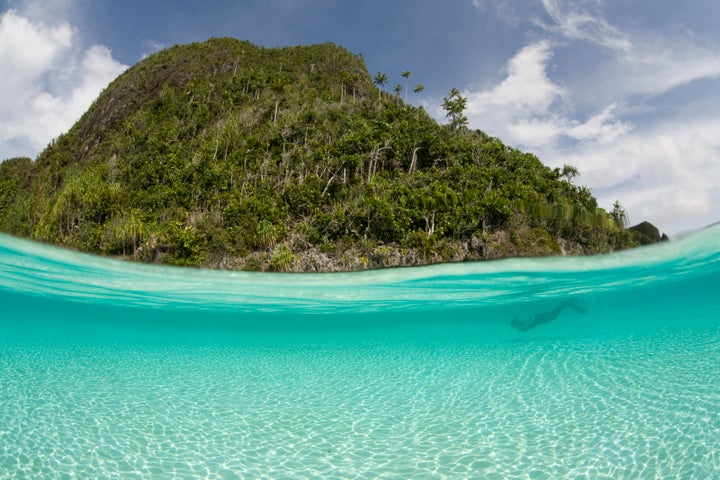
(117, 370)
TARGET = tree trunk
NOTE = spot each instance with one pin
(413, 161)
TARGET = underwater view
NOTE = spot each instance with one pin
(572, 367)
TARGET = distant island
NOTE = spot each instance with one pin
(228, 155)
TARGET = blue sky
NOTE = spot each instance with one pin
(626, 91)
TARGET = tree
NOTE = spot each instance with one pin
(398, 88)
(418, 89)
(348, 80)
(406, 75)
(568, 172)
(380, 80)
(454, 107)
(619, 215)
(267, 234)
(279, 87)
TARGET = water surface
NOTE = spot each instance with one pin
(119, 370)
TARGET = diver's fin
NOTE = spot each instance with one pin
(572, 303)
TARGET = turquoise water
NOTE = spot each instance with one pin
(118, 370)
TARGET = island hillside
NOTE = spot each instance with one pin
(224, 154)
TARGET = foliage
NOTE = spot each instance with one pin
(455, 106)
(619, 214)
(14, 176)
(282, 259)
(225, 150)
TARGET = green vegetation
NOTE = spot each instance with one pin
(225, 154)
(454, 107)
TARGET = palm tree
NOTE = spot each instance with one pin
(454, 107)
(619, 215)
(406, 75)
(418, 89)
(380, 80)
(398, 88)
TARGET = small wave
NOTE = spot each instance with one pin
(35, 269)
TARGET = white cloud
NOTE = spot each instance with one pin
(506, 10)
(526, 87)
(43, 10)
(667, 174)
(645, 62)
(529, 110)
(28, 50)
(518, 108)
(49, 80)
(603, 127)
(600, 117)
(659, 65)
(582, 20)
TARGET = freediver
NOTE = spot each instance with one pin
(545, 317)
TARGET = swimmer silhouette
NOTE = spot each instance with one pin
(545, 317)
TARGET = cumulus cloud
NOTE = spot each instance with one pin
(663, 169)
(49, 80)
(666, 174)
(529, 110)
(519, 107)
(526, 86)
(16, 34)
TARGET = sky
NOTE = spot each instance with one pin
(628, 92)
